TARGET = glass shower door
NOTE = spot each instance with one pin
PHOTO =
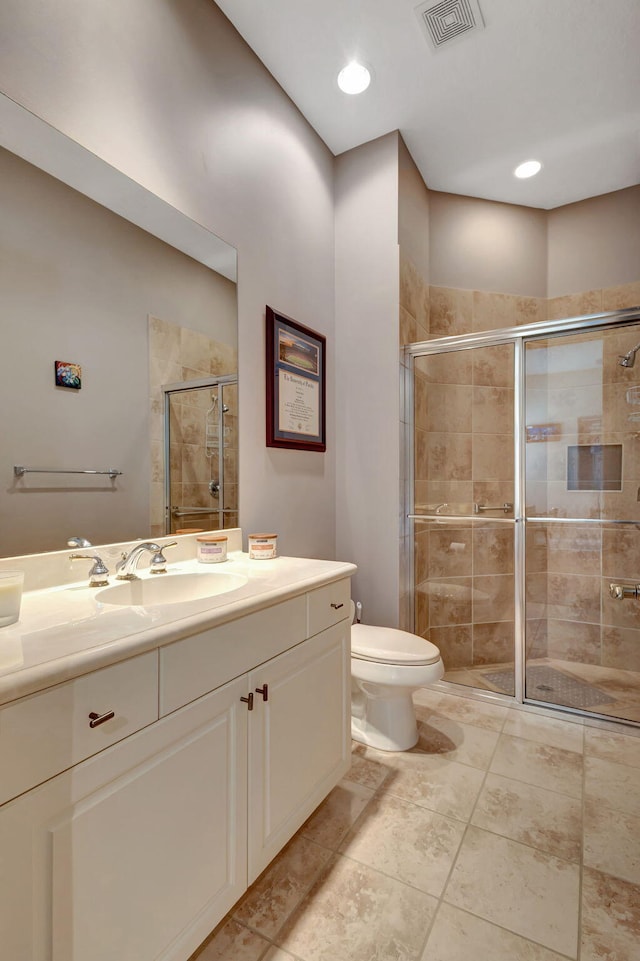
(582, 507)
(463, 511)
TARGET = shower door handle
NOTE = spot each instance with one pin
(481, 508)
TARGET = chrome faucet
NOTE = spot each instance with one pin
(78, 542)
(126, 568)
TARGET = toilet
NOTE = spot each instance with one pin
(387, 666)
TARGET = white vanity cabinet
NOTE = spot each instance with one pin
(299, 739)
(137, 852)
(123, 855)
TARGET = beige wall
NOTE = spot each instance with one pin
(367, 378)
(77, 283)
(594, 243)
(215, 136)
(484, 245)
(413, 213)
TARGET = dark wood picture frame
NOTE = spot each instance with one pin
(296, 384)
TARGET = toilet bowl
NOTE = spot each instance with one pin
(387, 666)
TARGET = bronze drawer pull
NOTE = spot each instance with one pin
(337, 607)
(248, 701)
(264, 690)
(96, 719)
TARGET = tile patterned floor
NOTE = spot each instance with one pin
(502, 836)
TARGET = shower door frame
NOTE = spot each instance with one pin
(518, 336)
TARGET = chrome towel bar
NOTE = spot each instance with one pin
(620, 591)
(181, 511)
(19, 471)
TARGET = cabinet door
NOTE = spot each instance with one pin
(299, 738)
(135, 854)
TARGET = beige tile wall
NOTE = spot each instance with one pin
(463, 453)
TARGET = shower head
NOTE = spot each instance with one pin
(629, 359)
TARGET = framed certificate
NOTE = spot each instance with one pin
(296, 381)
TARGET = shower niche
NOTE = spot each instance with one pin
(594, 467)
(523, 508)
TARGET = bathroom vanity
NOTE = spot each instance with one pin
(161, 756)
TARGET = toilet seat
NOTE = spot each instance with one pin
(387, 645)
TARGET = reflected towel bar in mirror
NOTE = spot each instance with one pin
(181, 511)
(20, 471)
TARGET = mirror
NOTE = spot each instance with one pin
(113, 280)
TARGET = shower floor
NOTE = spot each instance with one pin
(599, 690)
(545, 683)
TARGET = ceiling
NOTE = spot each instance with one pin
(554, 80)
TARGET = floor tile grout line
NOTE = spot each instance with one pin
(581, 875)
(536, 784)
(496, 924)
(532, 847)
(441, 899)
(469, 821)
(304, 890)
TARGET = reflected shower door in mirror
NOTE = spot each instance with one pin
(582, 473)
(463, 511)
(201, 461)
(83, 285)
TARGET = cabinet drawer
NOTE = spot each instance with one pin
(328, 605)
(196, 665)
(44, 734)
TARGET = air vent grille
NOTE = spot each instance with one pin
(446, 20)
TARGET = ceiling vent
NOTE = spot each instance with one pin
(446, 20)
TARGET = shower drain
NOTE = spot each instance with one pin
(546, 684)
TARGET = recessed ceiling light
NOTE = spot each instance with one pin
(528, 169)
(354, 78)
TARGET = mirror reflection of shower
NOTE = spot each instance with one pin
(628, 359)
(201, 455)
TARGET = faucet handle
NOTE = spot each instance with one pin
(98, 575)
(158, 563)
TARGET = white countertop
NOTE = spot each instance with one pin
(67, 631)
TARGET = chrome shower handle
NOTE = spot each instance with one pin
(481, 508)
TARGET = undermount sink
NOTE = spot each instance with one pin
(170, 589)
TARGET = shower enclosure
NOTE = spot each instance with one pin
(523, 513)
(201, 454)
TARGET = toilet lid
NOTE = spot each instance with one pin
(390, 646)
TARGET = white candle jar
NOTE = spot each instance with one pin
(212, 548)
(11, 583)
(262, 547)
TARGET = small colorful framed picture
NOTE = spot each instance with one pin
(68, 375)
